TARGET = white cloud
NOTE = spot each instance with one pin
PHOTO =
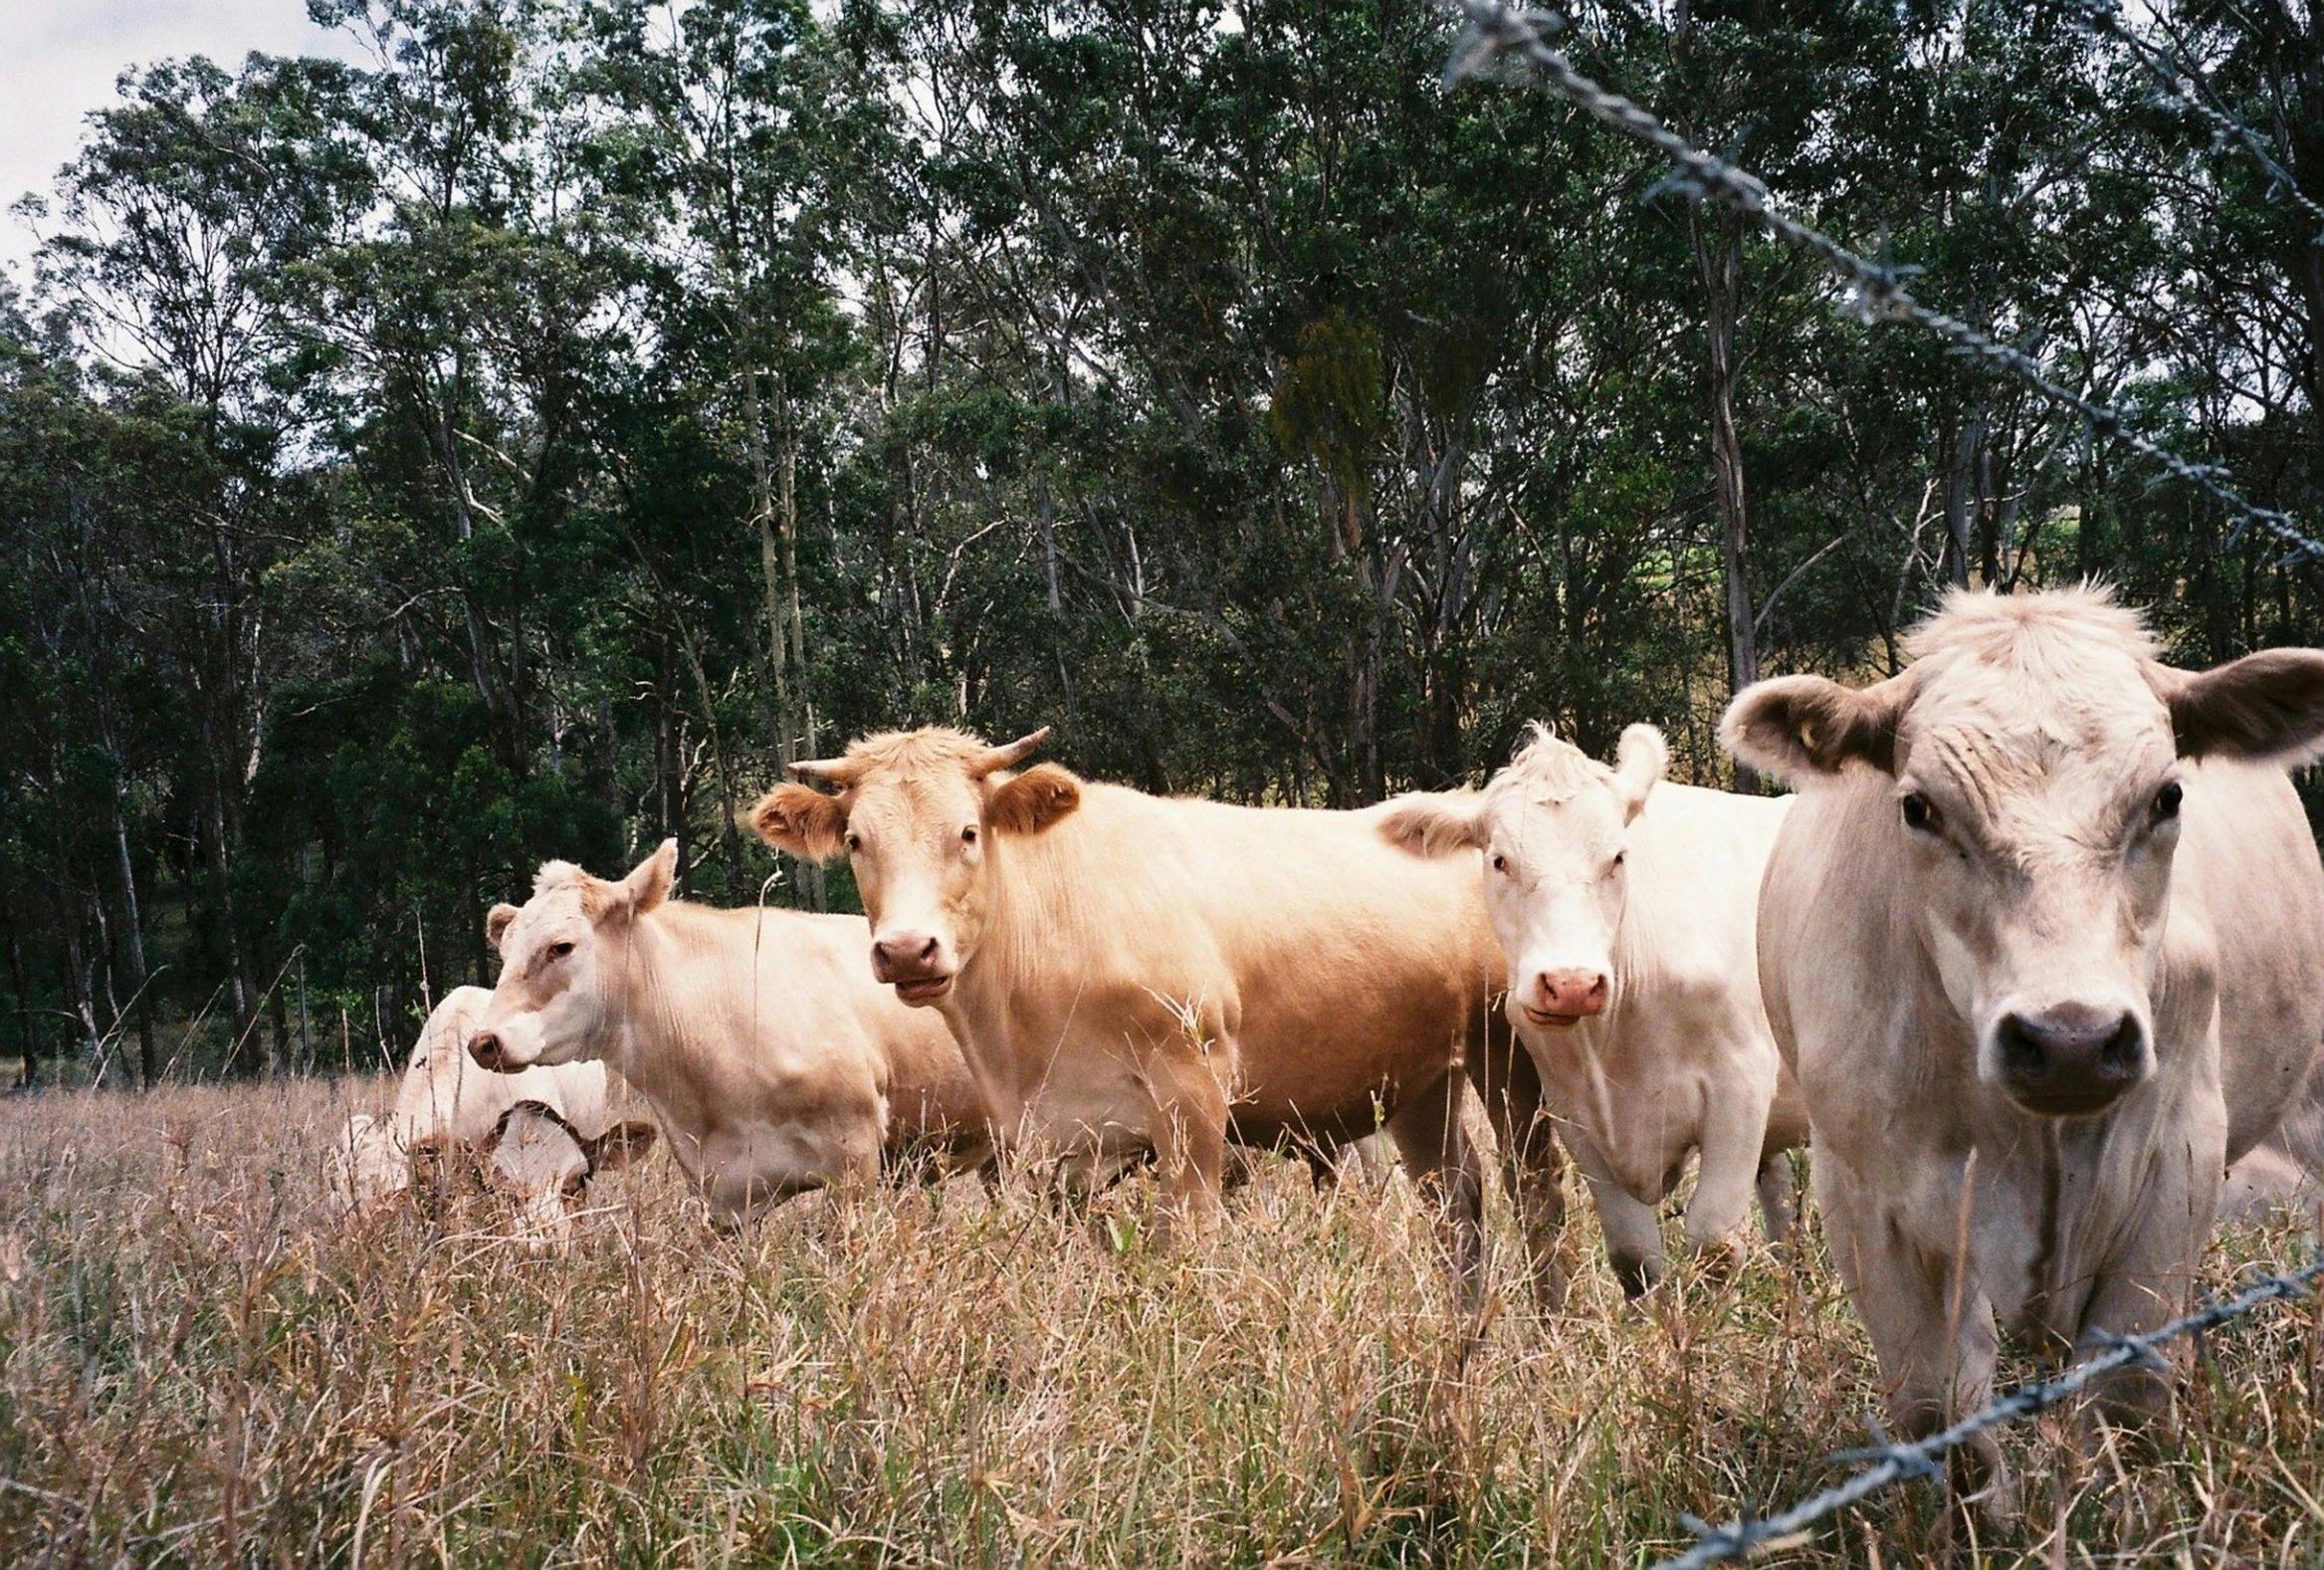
(59, 60)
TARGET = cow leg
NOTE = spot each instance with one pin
(1190, 1143)
(1633, 1231)
(1734, 1136)
(1777, 1197)
(1534, 1170)
(1437, 1156)
(1936, 1356)
(2150, 1284)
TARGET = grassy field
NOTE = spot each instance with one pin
(199, 1364)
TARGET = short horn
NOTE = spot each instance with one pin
(999, 757)
(829, 771)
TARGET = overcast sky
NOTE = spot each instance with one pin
(59, 58)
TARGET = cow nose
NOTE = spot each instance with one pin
(486, 1049)
(905, 957)
(2070, 1060)
(1571, 993)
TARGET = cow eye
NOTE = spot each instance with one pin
(1919, 814)
(2167, 801)
(968, 834)
(557, 951)
(1500, 862)
(1620, 856)
(855, 843)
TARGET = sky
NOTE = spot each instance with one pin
(59, 60)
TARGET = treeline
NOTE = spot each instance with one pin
(522, 443)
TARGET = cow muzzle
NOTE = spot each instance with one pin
(915, 963)
(2069, 1060)
(488, 1051)
(1564, 998)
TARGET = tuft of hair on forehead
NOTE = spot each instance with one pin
(554, 875)
(1547, 769)
(557, 876)
(2038, 631)
(931, 748)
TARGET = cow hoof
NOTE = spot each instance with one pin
(1638, 1275)
(1721, 1260)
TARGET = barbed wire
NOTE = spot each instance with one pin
(2186, 86)
(1876, 290)
(1892, 1463)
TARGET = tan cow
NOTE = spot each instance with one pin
(1130, 975)
(570, 1124)
(1626, 908)
(775, 1062)
(2043, 940)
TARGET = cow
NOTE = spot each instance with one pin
(568, 1122)
(2044, 941)
(1133, 977)
(774, 1061)
(1626, 907)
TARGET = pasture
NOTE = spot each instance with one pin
(200, 1363)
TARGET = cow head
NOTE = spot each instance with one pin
(1554, 828)
(2035, 755)
(559, 988)
(917, 814)
(547, 1165)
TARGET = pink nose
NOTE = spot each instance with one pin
(1573, 994)
(486, 1049)
(907, 956)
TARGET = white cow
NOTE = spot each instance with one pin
(1626, 908)
(542, 1135)
(2044, 941)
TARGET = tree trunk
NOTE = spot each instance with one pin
(776, 498)
(133, 925)
(1719, 261)
(27, 1044)
(242, 1061)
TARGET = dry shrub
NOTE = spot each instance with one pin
(202, 1366)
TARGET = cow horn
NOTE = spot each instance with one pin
(999, 757)
(828, 770)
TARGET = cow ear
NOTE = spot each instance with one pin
(1033, 802)
(1795, 725)
(619, 1146)
(1639, 762)
(648, 883)
(496, 923)
(1435, 823)
(802, 820)
(2266, 707)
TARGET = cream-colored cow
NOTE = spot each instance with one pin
(569, 1124)
(1129, 974)
(773, 1060)
(2044, 941)
(1625, 907)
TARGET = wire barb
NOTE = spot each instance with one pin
(1886, 1463)
(1875, 291)
(2181, 86)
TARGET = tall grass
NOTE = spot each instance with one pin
(199, 1364)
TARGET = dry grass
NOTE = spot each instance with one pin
(202, 1367)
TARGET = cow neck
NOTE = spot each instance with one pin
(1039, 895)
(1657, 905)
(1032, 897)
(651, 1046)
